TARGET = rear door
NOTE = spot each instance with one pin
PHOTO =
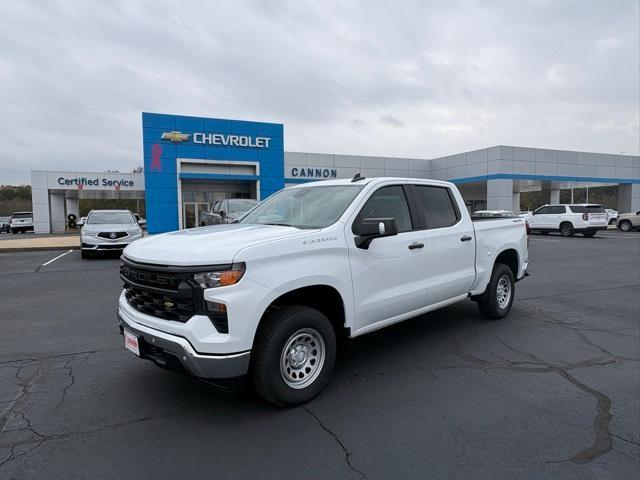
(390, 277)
(450, 243)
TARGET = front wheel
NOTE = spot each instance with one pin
(293, 355)
(625, 226)
(497, 299)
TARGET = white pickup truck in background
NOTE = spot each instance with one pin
(274, 295)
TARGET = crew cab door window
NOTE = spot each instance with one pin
(450, 260)
(437, 206)
(388, 202)
(390, 277)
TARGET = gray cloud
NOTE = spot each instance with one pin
(74, 76)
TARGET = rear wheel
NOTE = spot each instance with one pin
(566, 229)
(293, 355)
(625, 225)
(496, 301)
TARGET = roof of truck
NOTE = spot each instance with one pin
(365, 181)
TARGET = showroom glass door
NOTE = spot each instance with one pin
(191, 213)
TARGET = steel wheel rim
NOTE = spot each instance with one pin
(503, 291)
(625, 227)
(302, 358)
(566, 229)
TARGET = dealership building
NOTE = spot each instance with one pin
(189, 162)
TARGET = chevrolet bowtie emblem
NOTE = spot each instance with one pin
(175, 137)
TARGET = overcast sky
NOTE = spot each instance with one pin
(390, 78)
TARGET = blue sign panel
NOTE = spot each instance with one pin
(168, 138)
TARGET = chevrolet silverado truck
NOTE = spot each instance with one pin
(272, 297)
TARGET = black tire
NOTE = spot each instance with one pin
(589, 233)
(566, 229)
(612, 221)
(277, 330)
(488, 302)
(625, 226)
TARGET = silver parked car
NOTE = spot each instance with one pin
(628, 221)
(108, 230)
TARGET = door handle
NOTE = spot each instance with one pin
(415, 245)
(466, 238)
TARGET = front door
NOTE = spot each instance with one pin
(541, 218)
(389, 278)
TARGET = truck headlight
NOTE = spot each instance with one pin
(222, 278)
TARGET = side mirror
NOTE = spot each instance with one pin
(369, 229)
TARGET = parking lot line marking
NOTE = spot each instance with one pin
(54, 259)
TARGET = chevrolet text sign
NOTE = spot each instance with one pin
(231, 140)
(223, 139)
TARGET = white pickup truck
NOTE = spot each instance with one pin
(273, 296)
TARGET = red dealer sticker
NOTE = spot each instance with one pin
(131, 342)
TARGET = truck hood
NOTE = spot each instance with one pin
(215, 244)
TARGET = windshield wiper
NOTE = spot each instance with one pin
(280, 224)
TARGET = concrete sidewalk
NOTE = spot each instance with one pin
(35, 242)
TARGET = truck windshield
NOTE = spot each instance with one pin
(304, 207)
(102, 218)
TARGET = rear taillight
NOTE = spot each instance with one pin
(585, 216)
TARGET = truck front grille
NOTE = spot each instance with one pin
(112, 235)
(159, 305)
(169, 293)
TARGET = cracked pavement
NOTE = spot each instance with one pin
(551, 391)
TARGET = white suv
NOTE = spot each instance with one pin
(585, 218)
(21, 222)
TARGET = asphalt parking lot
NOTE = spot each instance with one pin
(553, 391)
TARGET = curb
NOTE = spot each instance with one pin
(39, 249)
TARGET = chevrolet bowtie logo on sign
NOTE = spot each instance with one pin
(175, 137)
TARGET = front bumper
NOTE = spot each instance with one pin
(170, 351)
